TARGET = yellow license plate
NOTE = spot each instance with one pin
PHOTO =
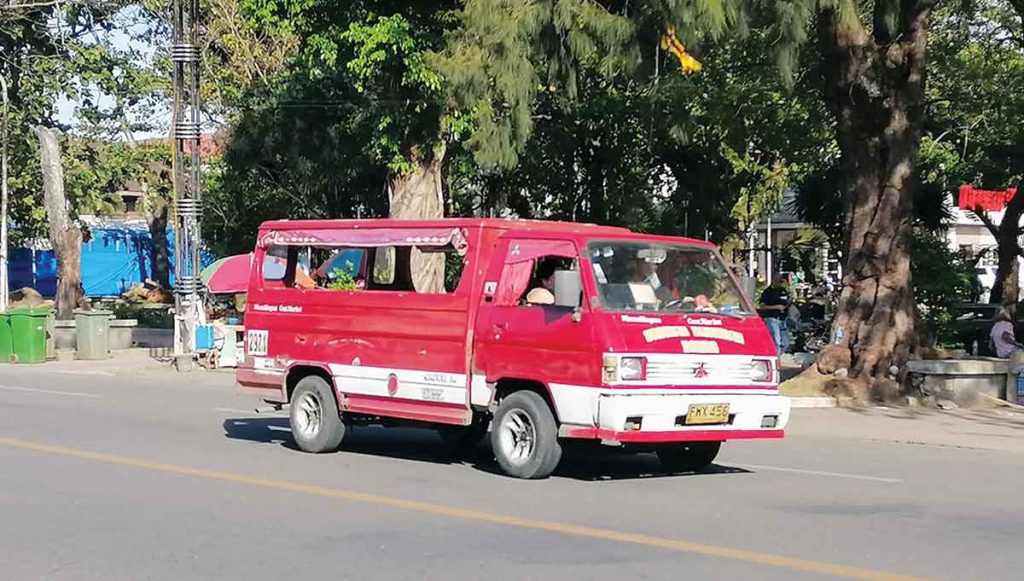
(708, 413)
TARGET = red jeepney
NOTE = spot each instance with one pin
(543, 332)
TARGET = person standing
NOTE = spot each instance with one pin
(775, 301)
(1001, 338)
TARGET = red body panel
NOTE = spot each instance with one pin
(436, 357)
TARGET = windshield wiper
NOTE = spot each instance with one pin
(737, 316)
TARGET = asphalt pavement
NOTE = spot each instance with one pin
(149, 474)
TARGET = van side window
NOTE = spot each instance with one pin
(275, 263)
(548, 273)
(386, 268)
(538, 282)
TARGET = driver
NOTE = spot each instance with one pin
(544, 291)
(645, 272)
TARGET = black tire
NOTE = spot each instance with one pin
(461, 440)
(315, 421)
(524, 436)
(688, 456)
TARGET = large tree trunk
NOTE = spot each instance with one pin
(156, 217)
(876, 86)
(418, 195)
(65, 236)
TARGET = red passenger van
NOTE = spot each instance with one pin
(542, 332)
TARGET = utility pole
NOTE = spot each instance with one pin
(188, 208)
(5, 283)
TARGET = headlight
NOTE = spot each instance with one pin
(633, 368)
(761, 370)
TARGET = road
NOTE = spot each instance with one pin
(153, 475)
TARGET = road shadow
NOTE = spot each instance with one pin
(580, 461)
(594, 463)
(262, 430)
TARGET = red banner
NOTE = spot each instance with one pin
(992, 200)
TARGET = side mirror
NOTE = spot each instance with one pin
(568, 288)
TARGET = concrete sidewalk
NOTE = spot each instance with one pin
(992, 429)
(121, 361)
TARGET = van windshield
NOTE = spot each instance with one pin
(637, 276)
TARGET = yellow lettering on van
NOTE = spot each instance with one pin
(699, 347)
(720, 334)
(658, 333)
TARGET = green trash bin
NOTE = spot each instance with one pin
(6, 344)
(92, 334)
(51, 336)
(28, 334)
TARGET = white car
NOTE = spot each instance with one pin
(987, 278)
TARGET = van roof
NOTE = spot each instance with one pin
(542, 227)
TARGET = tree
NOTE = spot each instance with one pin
(65, 235)
(973, 131)
(380, 49)
(300, 149)
(873, 70)
(875, 78)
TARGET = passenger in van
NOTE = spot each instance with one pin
(645, 272)
(303, 280)
(543, 293)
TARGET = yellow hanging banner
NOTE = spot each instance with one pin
(687, 63)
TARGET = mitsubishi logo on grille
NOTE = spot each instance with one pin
(700, 372)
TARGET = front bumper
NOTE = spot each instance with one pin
(660, 416)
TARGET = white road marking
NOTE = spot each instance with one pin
(235, 411)
(81, 372)
(252, 412)
(818, 473)
(50, 391)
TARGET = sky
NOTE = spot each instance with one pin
(133, 23)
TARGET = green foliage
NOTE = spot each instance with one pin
(50, 52)
(977, 90)
(941, 277)
(299, 151)
(342, 278)
(379, 50)
(148, 316)
(766, 181)
(800, 254)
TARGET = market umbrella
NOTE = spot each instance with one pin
(228, 275)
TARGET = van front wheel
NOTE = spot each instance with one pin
(524, 436)
(316, 424)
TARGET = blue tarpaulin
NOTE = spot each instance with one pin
(118, 256)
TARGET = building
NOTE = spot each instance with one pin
(966, 233)
(773, 234)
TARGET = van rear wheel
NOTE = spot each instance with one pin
(524, 436)
(688, 456)
(315, 421)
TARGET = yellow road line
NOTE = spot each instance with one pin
(472, 515)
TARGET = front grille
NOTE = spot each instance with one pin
(706, 370)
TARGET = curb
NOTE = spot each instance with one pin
(812, 402)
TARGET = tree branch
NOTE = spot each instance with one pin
(11, 5)
(982, 215)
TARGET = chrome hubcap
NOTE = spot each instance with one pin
(518, 438)
(308, 415)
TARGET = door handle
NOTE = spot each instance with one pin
(499, 327)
